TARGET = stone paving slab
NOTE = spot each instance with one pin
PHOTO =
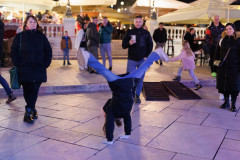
(59, 134)
(54, 150)
(189, 139)
(94, 142)
(230, 144)
(191, 120)
(13, 141)
(221, 121)
(121, 150)
(233, 135)
(224, 154)
(16, 123)
(187, 157)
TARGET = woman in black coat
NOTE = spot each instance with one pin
(31, 54)
(228, 74)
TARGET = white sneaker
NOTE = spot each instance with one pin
(124, 136)
(221, 97)
(163, 56)
(108, 142)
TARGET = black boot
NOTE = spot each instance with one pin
(177, 78)
(226, 102)
(28, 116)
(110, 68)
(233, 105)
(34, 114)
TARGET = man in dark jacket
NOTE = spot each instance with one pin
(213, 35)
(105, 34)
(92, 39)
(139, 44)
(160, 37)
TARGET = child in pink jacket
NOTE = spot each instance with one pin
(187, 57)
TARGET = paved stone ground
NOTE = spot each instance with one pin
(70, 127)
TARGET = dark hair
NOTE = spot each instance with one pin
(191, 29)
(104, 17)
(188, 26)
(35, 19)
(66, 31)
(237, 25)
(94, 17)
(160, 23)
(140, 16)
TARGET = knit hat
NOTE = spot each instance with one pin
(230, 24)
(237, 25)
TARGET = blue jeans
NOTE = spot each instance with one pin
(191, 73)
(106, 48)
(93, 62)
(5, 86)
(132, 66)
(65, 54)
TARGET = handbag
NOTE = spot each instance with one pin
(219, 63)
(14, 81)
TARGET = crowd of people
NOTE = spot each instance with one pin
(34, 57)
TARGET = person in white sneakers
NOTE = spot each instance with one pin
(80, 45)
(123, 88)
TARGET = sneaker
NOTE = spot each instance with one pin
(108, 142)
(137, 99)
(177, 78)
(198, 86)
(221, 97)
(163, 56)
(124, 136)
(214, 74)
(11, 98)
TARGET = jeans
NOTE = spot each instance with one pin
(106, 48)
(191, 73)
(30, 93)
(65, 54)
(138, 73)
(132, 66)
(5, 86)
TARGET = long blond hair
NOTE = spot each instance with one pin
(186, 48)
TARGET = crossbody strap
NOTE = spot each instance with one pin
(226, 54)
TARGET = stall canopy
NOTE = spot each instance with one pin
(48, 4)
(142, 6)
(201, 11)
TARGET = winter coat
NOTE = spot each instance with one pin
(1, 38)
(63, 43)
(34, 57)
(123, 93)
(160, 36)
(92, 35)
(190, 38)
(228, 75)
(213, 34)
(105, 33)
(143, 46)
(187, 61)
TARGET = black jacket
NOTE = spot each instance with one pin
(228, 75)
(92, 35)
(123, 93)
(34, 56)
(1, 38)
(215, 34)
(143, 46)
(160, 35)
(190, 38)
